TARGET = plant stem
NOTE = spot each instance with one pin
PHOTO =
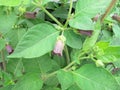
(51, 16)
(67, 55)
(66, 68)
(113, 2)
(69, 13)
(3, 59)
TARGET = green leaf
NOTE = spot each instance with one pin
(73, 40)
(7, 22)
(107, 58)
(15, 66)
(65, 79)
(31, 81)
(113, 51)
(82, 22)
(13, 2)
(9, 87)
(61, 12)
(39, 64)
(90, 7)
(89, 77)
(115, 41)
(90, 41)
(39, 40)
(42, 2)
(10, 2)
(2, 43)
(116, 30)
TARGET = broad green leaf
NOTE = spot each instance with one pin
(2, 43)
(82, 22)
(13, 2)
(15, 67)
(113, 51)
(14, 36)
(73, 40)
(39, 64)
(7, 22)
(39, 40)
(31, 81)
(89, 77)
(65, 79)
(9, 87)
(90, 7)
(10, 2)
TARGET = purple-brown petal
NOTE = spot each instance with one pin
(86, 32)
(30, 15)
(116, 17)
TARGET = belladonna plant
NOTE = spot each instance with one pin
(59, 46)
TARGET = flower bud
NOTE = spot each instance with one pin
(99, 63)
(96, 18)
(59, 46)
(9, 49)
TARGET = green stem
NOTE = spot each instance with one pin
(67, 55)
(51, 16)
(66, 68)
(3, 59)
(69, 13)
(111, 5)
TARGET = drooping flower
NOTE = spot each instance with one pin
(116, 17)
(30, 15)
(9, 49)
(59, 46)
(86, 32)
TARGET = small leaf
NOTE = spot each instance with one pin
(116, 30)
(7, 21)
(82, 22)
(29, 81)
(65, 79)
(39, 40)
(73, 40)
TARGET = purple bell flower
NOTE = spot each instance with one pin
(9, 49)
(59, 46)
